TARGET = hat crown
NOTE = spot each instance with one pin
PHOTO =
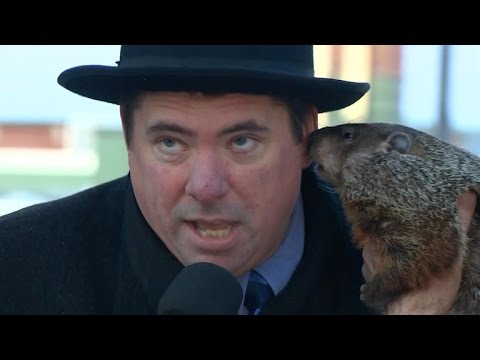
(296, 59)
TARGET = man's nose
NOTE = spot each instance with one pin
(207, 181)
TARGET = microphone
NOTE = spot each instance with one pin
(202, 289)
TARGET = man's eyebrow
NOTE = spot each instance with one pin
(250, 125)
(163, 125)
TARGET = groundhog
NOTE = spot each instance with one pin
(399, 188)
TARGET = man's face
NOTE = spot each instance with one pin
(216, 177)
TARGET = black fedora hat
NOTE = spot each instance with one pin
(257, 69)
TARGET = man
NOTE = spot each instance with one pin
(219, 173)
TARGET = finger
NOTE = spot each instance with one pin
(367, 273)
(466, 203)
(368, 268)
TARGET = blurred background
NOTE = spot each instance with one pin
(54, 143)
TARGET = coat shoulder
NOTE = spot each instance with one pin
(71, 211)
(60, 256)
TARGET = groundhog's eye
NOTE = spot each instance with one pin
(347, 134)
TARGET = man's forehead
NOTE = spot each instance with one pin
(199, 96)
(225, 103)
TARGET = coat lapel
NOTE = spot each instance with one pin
(146, 266)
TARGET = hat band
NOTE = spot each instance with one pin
(169, 63)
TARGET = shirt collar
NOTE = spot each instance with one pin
(278, 269)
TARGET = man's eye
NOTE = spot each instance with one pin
(243, 144)
(170, 145)
(241, 141)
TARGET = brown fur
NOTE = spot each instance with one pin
(399, 188)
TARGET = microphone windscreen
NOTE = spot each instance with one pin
(202, 289)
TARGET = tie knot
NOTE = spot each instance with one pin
(258, 293)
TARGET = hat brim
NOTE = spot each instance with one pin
(107, 83)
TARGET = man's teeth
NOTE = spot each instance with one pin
(204, 231)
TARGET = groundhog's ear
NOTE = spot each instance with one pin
(398, 141)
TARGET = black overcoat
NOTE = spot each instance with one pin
(93, 253)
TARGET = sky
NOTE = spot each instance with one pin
(28, 81)
(29, 89)
(420, 86)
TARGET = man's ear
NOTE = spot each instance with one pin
(123, 117)
(311, 124)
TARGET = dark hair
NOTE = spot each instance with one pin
(128, 103)
(297, 108)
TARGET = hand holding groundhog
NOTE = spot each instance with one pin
(440, 292)
(410, 199)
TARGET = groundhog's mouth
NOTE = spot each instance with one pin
(318, 168)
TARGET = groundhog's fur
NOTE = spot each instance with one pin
(399, 188)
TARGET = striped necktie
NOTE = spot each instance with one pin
(258, 293)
